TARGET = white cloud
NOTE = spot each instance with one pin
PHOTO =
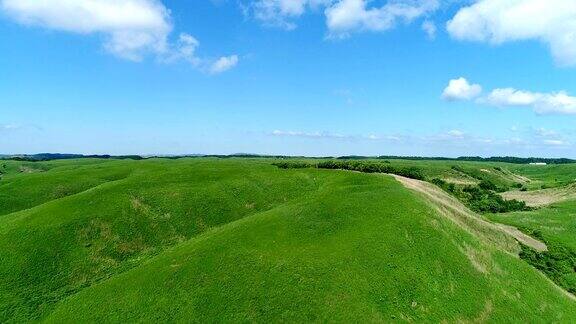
(224, 64)
(343, 16)
(308, 134)
(9, 126)
(347, 16)
(456, 133)
(394, 138)
(541, 103)
(328, 135)
(461, 89)
(455, 138)
(185, 49)
(511, 97)
(131, 29)
(543, 132)
(280, 13)
(498, 21)
(429, 27)
(556, 143)
(550, 137)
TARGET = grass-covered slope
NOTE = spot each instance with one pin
(57, 248)
(240, 240)
(555, 225)
(31, 185)
(549, 176)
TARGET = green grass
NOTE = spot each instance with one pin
(20, 191)
(555, 225)
(209, 240)
(549, 176)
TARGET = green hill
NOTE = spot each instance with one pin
(209, 240)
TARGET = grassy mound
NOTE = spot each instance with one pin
(57, 248)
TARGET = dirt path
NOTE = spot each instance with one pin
(498, 234)
(539, 198)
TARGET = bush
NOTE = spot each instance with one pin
(487, 201)
(446, 186)
(558, 263)
(293, 165)
(480, 198)
(487, 185)
(371, 167)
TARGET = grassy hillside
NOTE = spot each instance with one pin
(549, 176)
(555, 225)
(56, 248)
(28, 184)
(231, 240)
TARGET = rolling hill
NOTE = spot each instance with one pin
(205, 239)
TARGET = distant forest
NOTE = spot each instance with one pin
(506, 159)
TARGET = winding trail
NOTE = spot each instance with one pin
(498, 234)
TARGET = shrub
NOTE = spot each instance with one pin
(558, 263)
(293, 165)
(371, 167)
(487, 185)
(446, 186)
(481, 199)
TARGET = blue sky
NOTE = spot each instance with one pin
(299, 77)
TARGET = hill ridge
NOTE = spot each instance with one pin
(467, 219)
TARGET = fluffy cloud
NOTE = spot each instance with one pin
(461, 89)
(430, 29)
(541, 103)
(280, 13)
(511, 97)
(346, 16)
(185, 49)
(343, 16)
(132, 28)
(497, 21)
(224, 64)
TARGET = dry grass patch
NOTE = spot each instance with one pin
(544, 197)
